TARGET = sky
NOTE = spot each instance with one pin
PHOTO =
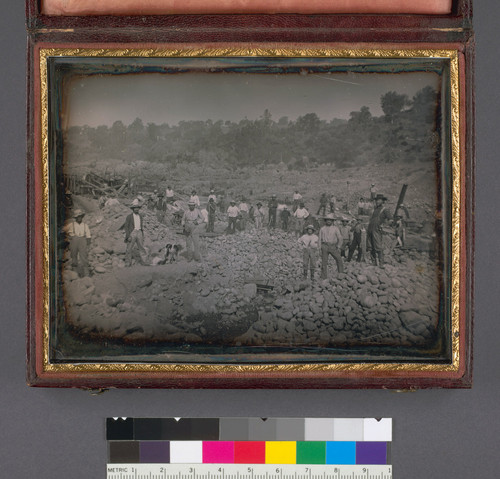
(170, 98)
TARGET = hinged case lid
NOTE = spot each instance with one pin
(187, 24)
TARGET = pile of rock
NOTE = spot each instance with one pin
(216, 301)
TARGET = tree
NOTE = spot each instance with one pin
(118, 134)
(309, 123)
(361, 118)
(153, 132)
(136, 131)
(99, 136)
(393, 103)
(425, 103)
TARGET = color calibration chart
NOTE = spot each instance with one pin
(249, 448)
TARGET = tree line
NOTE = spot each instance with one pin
(407, 131)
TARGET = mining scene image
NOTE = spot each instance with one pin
(273, 218)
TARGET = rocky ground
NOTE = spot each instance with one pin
(217, 301)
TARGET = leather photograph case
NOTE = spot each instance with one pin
(282, 201)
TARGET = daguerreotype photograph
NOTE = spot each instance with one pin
(246, 210)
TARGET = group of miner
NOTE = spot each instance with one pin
(338, 236)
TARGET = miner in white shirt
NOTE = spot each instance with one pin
(79, 242)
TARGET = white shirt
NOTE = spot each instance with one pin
(297, 196)
(195, 199)
(169, 193)
(137, 221)
(212, 196)
(80, 230)
(233, 211)
(331, 235)
(301, 213)
(309, 241)
(243, 207)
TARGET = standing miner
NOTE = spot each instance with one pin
(161, 208)
(358, 241)
(345, 231)
(169, 193)
(374, 233)
(134, 234)
(323, 201)
(301, 214)
(211, 209)
(296, 200)
(212, 195)
(310, 242)
(259, 216)
(195, 198)
(273, 207)
(333, 203)
(190, 221)
(244, 213)
(232, 217)
(330, 241)
(79, 235)
(285, 217)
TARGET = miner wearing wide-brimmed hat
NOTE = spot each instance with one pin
(310, 242)
(330, 242)
(191, 222)
(134, 234)
(374, 233)
(79, 241)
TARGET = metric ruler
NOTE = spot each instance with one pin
(247, 471)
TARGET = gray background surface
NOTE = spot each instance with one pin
(49, 433)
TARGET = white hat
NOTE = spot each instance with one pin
(135, 204)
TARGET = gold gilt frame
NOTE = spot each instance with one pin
(352, 374)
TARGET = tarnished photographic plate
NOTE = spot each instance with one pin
(250, 216)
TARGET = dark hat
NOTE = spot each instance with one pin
(211, 200)
(380, 196)
(259, 204)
